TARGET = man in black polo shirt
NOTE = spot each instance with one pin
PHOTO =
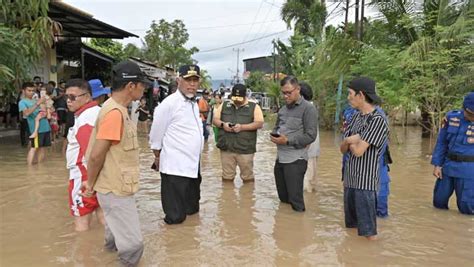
(363, 140)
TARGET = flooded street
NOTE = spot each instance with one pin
(238, 225)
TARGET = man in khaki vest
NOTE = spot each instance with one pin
(113, 164)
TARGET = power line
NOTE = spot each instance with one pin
(232, 45)
(261, 26)
(218, 17)
(330, 13)
(273, 4)
(254, 19)
(226, 26)
(338, 12)
(213, 27)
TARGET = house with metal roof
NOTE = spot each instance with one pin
(69, 57)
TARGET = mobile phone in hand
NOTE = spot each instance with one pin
(231, 124)
(275, 134)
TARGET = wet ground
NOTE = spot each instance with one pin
(238, 225)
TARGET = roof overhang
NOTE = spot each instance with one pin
(76, 23)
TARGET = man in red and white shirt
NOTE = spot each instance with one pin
(79, 101)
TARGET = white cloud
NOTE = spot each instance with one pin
(207, 23)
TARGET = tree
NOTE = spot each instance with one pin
(132, 50)
(439, 65)
(206, 79)
(256, 81)
(108, 47)
(25, 31)
(309, 16)
(273, 90)
(165, 44)
(399, 17)
(296, 56)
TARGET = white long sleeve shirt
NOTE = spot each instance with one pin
(177, 131)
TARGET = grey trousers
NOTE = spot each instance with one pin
(122, 229)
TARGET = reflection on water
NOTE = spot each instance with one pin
(238, 224)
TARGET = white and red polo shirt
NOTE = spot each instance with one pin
(78, 140)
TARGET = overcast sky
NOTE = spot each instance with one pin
(211, 24)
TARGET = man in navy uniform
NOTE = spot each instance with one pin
(453, 159)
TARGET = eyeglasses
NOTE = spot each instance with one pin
(288, 93)
(74, 97)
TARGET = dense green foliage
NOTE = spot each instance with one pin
(256, 81)
(25, 29)
(164, 44)
(109, 47)
(206, 80)
(420, 55)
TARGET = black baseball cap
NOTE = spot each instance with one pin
(239, 90)
(129, 71)
(367, 86)
(187, 71)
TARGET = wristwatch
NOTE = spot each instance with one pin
(222, 124)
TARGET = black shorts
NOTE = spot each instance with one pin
(62, 116)
(42, 140)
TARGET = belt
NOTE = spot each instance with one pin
(460, 158)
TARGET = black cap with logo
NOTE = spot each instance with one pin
(239, 90)
(129, 71)
(187, 71)
(367, 86)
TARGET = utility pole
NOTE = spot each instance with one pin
(274, 61)
(238, 50)
(362, 20)
(346, 20)
(356, 23)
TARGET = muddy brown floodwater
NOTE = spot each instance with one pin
(238, 225)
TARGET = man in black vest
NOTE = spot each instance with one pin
(238, 121)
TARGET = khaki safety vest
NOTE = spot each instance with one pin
(120, 172)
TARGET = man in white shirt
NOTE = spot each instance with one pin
(176, 138)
